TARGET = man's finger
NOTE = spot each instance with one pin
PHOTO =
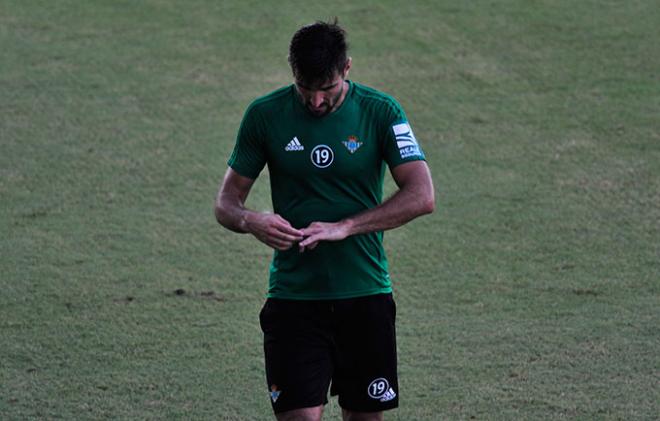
(311, 239)
(282, 236)
(284, 227)
(310, 246)
(289, 230)
(279, 244)
(304, 242)
(311, 230)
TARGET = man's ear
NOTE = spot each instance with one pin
(349, 61)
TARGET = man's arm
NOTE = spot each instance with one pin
(414, 198)
(231, 213)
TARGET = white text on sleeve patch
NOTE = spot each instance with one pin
(405, 140)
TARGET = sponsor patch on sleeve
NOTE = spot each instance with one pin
(405, 141)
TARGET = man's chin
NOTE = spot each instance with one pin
(318, 112)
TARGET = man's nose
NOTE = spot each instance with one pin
(317, 99)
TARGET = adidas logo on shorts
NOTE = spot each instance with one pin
(294, 145)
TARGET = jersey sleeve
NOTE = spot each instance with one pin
(249, 155)
(400, 144)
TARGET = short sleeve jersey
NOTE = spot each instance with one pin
(326, 169)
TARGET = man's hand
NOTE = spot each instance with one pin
(230, 211)
(272, 230)
(415, 197)
(323, 231)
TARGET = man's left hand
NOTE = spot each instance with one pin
(323, 231)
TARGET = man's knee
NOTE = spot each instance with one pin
(302, 414)
(361, 416)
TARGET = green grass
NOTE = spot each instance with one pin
(532, 293)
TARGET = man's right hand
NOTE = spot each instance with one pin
(271, 229)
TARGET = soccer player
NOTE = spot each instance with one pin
(329, 314)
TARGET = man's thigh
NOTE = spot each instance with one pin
(365, 376)
(298, 353)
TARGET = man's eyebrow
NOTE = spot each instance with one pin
(325, 88)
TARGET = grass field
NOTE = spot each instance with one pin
(533, 292)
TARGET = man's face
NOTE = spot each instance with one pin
(322, 98)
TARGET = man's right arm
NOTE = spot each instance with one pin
(230, 212)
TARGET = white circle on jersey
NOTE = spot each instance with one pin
(322, 156)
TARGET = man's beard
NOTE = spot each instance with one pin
(328, 107)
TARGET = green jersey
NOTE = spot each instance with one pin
(326, 169)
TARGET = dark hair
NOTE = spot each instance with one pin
(317, 52)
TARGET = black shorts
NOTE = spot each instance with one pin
(349, 342)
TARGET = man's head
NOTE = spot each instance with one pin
(317, 55)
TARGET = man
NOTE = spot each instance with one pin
(329, 315)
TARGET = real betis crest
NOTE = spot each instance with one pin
(352, 144)
(274, 393)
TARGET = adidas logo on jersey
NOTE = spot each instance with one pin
(294, 145)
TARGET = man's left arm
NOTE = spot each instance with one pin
(415, 197)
